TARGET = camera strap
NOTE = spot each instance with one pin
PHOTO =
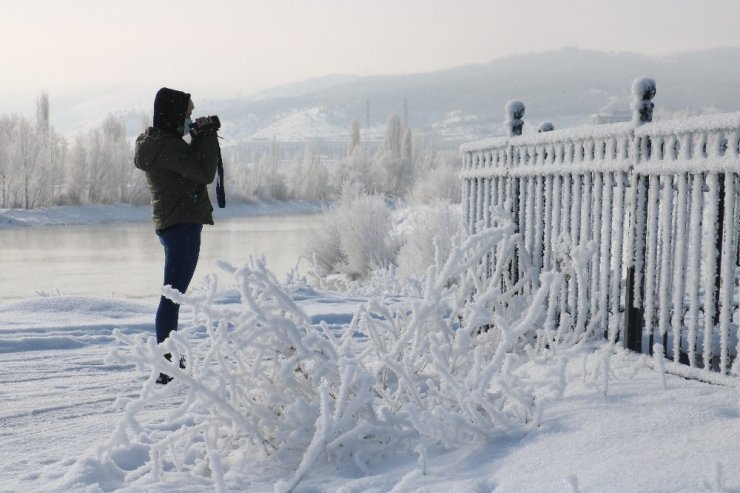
(220, 192)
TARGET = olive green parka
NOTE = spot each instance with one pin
(177, 172)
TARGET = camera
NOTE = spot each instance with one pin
(214, 125)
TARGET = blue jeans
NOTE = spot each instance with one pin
(181, 244)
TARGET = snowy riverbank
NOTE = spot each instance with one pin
(79, 411)
(60, 402)
(123, 213)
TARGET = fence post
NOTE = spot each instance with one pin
(633, 302)
(718, 243)
(514, 123)
(643, 91)
(514, 115)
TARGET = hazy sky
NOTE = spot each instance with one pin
(220, 48)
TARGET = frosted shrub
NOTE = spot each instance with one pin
(354, 236)
(428, 236)
(439, 180)
(269, 385)
(307, 176)
(356, 168)
(360, 235)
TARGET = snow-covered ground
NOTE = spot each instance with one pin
(58, 403)
(62, 397)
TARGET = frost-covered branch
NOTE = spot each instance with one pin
(442, 369)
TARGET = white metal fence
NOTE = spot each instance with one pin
(657, 204)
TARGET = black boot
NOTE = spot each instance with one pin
(168, 357)
(164, 379)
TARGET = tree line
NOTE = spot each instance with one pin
(39, 167)
(403, 166)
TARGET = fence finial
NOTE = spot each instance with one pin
(643, 90)
(545, 127)
(514, 115)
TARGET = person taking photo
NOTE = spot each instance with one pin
(177, 173)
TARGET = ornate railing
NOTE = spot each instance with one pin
(656, 202)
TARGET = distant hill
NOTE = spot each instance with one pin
(563, 86)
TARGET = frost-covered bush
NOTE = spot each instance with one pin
(361, 236)
(358, 167)
(404, 166)
(307, 177)
(354, 235)
(428, 234)
(270, 388)
(437, 179)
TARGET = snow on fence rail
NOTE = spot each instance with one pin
(656, 202)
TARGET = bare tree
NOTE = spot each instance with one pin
(116, 155)
(6, 132)
(43, 125)
(27, 152)
(395, 157)
(393, 136)
(354, 138)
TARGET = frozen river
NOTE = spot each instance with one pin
(126, 260)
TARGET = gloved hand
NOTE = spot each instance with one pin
(205, 125)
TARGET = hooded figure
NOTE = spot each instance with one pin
(177, 173)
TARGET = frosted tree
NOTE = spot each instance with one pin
(6, 132)
(78, 180)
(44, 153)
(42, 114)
(436, 177)
(393, 136)
(309, 178)
(116, 154)
(240, 178)
(357, 168)
(37, 169)
(395, 157)
(269, 182)
(58, 167)
(95, 177)
(407, 145)
(354, 138)
(25, 180)
(27, 153)
(50, 155)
